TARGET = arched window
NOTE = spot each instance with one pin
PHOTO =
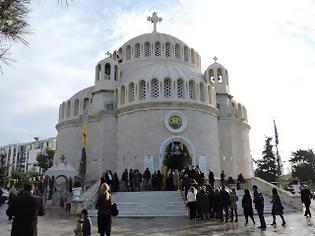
(245, 113)
(210, 94)
(177, 51)
(98, 72)
(240, 110)
(167, 88)
(63, 110)
(155, 92)
(137, 50)
(128, 53)
(180, 88)
(122, 95)
(107, 70)
(186, 53)
(219, 72)
(197, 59)
(115, 55)
(191, 88)
(116, 73)
(76, 107)
(86, 102)
(202, 92)
(157, 49)
(192, 55)
(147, 49)
(68, 108)
(211, 76)
(167, 49)
(142, 90)
(131, 92)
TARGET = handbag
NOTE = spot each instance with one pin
(114, 210)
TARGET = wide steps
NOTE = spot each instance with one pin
(149, 204)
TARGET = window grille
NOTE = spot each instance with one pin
(167, 49)
(177, 52)
(191, 90)
(185, 53)
(137, 50)
(167, 88)
(147, 49)
(131, 92)
(128, 54)
(155, 88)
(142, 90)
(157, 49)
(180, 88)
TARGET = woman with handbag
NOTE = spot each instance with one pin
(104, 205)
(277, 207)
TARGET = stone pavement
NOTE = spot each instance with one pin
(54, 225)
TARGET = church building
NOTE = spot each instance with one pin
(151, 105)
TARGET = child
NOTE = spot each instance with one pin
(78, 228)
(87, 223)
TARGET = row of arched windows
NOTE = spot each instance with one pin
(154, 89)
(107, 72)
(159, 49)
(65, 108)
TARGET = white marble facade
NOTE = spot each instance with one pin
(147, 94)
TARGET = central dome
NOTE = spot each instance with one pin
(157, 46)
(153, 37)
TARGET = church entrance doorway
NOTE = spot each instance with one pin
(176, 156)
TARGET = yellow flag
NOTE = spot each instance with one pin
(84, 131)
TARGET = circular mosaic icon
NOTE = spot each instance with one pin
(175, 122)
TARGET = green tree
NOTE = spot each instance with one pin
(82, 169)
(267, 168)
(45, 160)
(303, 163)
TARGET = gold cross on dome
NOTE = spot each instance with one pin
(215, 59)
(154, 19)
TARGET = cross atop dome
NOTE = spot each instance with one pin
(108, 54)
(154, 19)
(215, 59)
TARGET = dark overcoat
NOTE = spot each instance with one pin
(104, 218)
(277, 207)
(25, 209)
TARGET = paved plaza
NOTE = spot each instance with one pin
(54, 225)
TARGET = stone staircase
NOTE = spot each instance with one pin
(149, 204)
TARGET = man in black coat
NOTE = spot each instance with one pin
(306, 197)
(259, 206)
(25, 208)
(211, 178)
(225, 198)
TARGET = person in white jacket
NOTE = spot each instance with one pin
(191, 202)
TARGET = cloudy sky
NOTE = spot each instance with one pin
(267, 46)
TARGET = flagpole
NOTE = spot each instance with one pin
(277, 151)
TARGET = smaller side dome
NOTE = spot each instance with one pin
(106, 69)
(217, 75)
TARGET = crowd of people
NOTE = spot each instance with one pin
(204, 200)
